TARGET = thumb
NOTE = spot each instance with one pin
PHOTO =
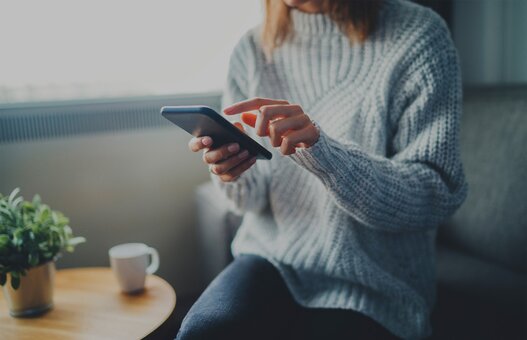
(239, 126)
(249, 119)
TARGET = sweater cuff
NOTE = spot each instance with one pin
(233, 190)
(317, 158)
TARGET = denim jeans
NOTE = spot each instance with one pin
(249, 300)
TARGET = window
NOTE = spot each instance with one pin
(63, 49)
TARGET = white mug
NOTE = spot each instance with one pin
(129, 262)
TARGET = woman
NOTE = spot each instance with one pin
(360, 101)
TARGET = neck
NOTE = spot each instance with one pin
(310, 8)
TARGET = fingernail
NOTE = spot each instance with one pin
(206, 141)
(243, 154)
(227, 110)
(253, 160)
(233, 147)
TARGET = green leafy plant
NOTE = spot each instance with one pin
(30, 234)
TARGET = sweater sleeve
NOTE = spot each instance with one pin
(421, 181)
(249, 191)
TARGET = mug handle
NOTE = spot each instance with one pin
(154, 265)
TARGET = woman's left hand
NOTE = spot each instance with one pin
(287, 126)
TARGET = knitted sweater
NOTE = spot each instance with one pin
(350, 222)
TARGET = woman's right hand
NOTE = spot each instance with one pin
(228, 161)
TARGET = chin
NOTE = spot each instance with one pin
(294, 3)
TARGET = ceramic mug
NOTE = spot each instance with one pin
(130, 263)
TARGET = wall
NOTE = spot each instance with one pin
(127, 186)
(491, 36)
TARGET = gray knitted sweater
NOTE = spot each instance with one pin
(351, 221)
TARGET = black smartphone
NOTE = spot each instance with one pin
(202, 121)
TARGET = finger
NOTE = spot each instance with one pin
(252, 104)
(238, 170)
(249, 118)
(278, 128)
(223, 152)
(228, 164)
(293, 138)
(239, 126)
(199, 143)
(271, 112)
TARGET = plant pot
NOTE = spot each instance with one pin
(35, 294)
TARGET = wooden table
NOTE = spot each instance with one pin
(89, 305)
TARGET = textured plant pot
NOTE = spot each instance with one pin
(35, 294)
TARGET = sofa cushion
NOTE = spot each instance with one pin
(476, 278)
(492, 223)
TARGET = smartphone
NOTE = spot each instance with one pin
(202, 121)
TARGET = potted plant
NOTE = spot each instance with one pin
(32, 237)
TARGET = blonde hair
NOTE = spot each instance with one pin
(356, 18)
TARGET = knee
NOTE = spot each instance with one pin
(204, 324)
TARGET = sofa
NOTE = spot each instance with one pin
(481, 250)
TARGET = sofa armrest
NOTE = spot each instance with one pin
(216, 229)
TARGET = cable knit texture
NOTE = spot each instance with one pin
(351, 221)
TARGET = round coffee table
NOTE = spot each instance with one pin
(89, 305)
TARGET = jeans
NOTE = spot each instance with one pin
(249, 300)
